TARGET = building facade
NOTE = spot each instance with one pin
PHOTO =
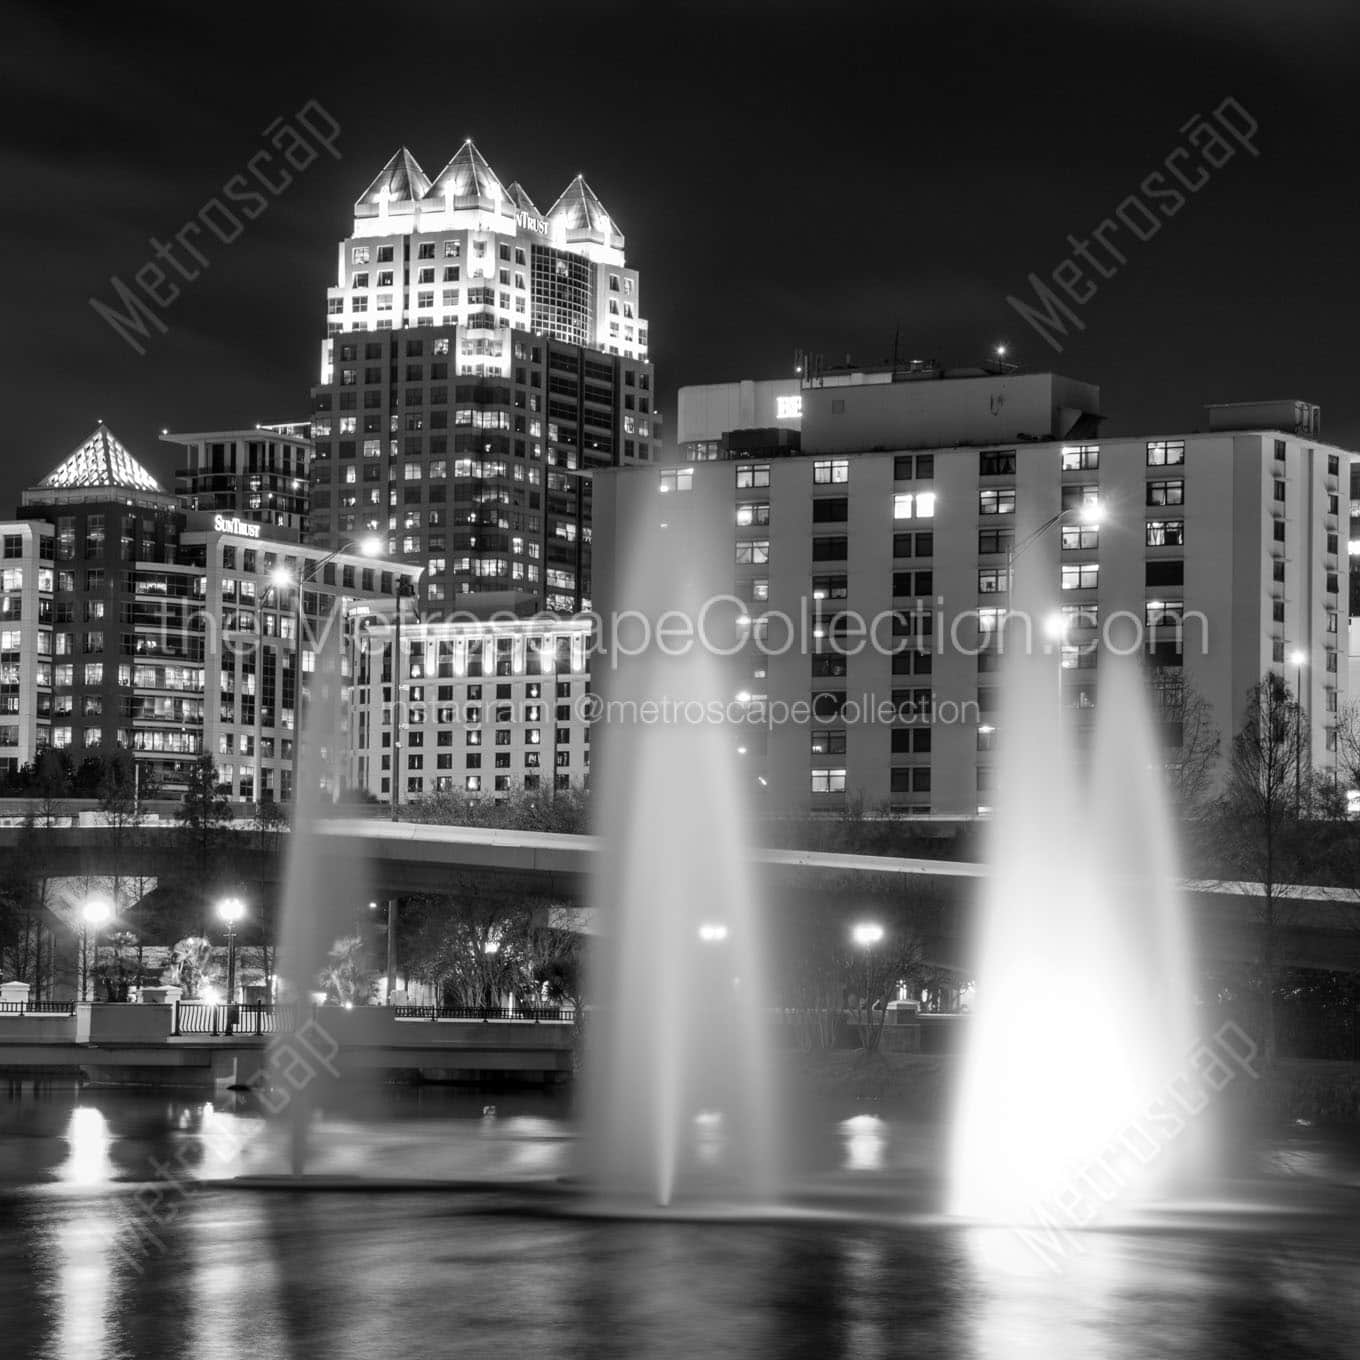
(873, 578)
(707, 415)
(488, 708)
(479, 355)
(28, 575)
(261, 475)
(133, 622)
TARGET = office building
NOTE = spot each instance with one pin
(479, 355)
(131, 621)
(1223, 546)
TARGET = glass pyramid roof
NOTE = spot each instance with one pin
(101, 461)
(399, 181)
(468, 180)
(580, 211)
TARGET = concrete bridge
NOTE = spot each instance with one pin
(1319, 927)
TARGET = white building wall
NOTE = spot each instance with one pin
(1229, 589)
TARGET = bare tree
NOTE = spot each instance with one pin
(1191, 739)
(1259, 826)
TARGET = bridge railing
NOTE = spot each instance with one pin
(241, 1019)
(548, 1015)
(37, 1007)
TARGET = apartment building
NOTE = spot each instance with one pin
(261, 475)
(874, 569)
(485, 707)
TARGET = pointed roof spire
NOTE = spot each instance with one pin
(100, 461)
(519, 196)
(468, 181)
(581, 214)
(399, 181)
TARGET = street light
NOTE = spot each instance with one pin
(403, 588)
(94, 913)
(866, 934)
(231, 910)
(283, 579)
(1089, 513)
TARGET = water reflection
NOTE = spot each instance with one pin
(236, 1283)
(866, 1142)
(1025, 1305)
(75, 1263)
(87, 1137)
(91, 1273)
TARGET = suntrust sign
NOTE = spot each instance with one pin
(232, 525)
(531, 222)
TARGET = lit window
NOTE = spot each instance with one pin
(909, 505)
(828, 470)
(677, 479)
(1081, 576)
(828, 781)
(1080, 457)
(1165, 452)
(1075, 536)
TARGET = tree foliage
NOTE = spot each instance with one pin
(483, 942)
(565, 811)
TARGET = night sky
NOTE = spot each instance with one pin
(787, 176)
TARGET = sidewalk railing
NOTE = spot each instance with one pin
(549, 1015)
(241, 1019)
(37, 1007)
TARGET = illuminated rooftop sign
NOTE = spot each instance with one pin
(232, 525)
(528, 221)
(788, 408)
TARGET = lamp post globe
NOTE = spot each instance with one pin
(231, 910)
(93, 915)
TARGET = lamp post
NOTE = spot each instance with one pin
(403, 588)
(866, 934)
(231, 910)
(1299, 658)
(94, 913)
(282, 579)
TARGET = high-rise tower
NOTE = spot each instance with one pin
(480, 357)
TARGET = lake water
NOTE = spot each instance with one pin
(122, 1236)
